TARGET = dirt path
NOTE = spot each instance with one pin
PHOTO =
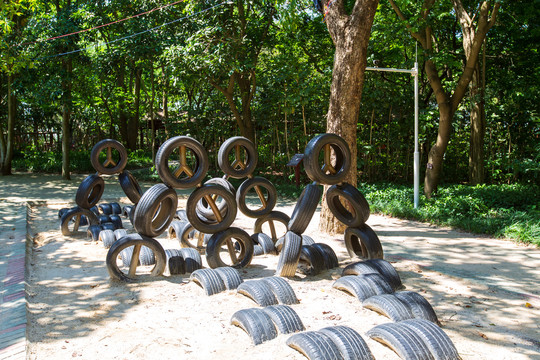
(485, 292)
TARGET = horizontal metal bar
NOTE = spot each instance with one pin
(411, 71)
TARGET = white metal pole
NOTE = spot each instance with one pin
(416, 151)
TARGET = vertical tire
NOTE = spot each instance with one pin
(359, 213)
(218, 240)
(362, 242)
(117, 164)
(305, 208)
(155, 210)
(327, 174)
(240, 167)
(90, 191)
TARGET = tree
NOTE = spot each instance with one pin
(448, 97)
(350, 29)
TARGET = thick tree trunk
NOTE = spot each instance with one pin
(478, 131)
(66, 118)
(350, 34)
(5, 166)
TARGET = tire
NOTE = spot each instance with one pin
(155, 210)
(307, 240)
(146, 257)
(289, 255)
(418, 305)
(359, 213)
(175, 227)
(137, 241)
(378, 283)
(314, 345)
(105, 209)
(354, 285)
(350, 344)
(257, 250)
(120, 233)
(282, 290)
(241, 166)
(305, 208)
(204, 209)
(192, 259)
(117, 221)
(388, 272)
(90, 191)
(117, 164)
(218, 240)
(362, 242)
(104, 219)
(361, 267)
(74, 216)
(259, 291)
(265, 242)
(209, 280)
(175, 262)
(313, 260)
(115, 208)
(95, 210)
(284, 318)
(93, 231)
(108, 226)
(126, 211)
(230, 276)
(328, 254)
(267, 202)
(130, 186)
(194, 172)
(342, 165)
(436, 340)
(191, 238)
(270, 220)
(203, 225)
(181, 215)
(256, 323)
(403, 344)
(107, 238)
(390, 306)
(62, 212)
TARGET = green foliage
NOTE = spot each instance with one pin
(510, 211)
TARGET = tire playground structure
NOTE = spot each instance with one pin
(205, 228)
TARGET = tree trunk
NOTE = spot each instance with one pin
(5, 167)
(152, 113)
(478, 126)
(350, 34)
(66, 118)
(165, 101)
(133, 121)
(122, 115)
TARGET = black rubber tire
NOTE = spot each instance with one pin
(247, 167)
(354, 285)
(378, 283)
(115, 208)
(175, 227)
(305, 208)
(62, 211)
(390, 306)
(342, 154)
(362, 242)
(107, 238)
(311, 260)
(307, 240)
(265, 242)
(155, 211)
(120, 233)
(131, 214)
(403, 343)
(256, 323)
(108, 226)
(117, 221)
(315, 345)
(198, 173)
(270, 219)
(175, 262)
(285, 318)
(93, 231)
(328, 254)
(259, 291)
(209, 280)
(126, 211)
(214, 247)
(146, 257)
(388, 272)
(289, 255)
(269, 199)
(118, 166)
(349, 342)
(105, 209)
(181, 215)
(230, 276)
(134, 240)
(95, 210)
(76, 214)
(188, 237)
(192, 259)
(104, 219)
(257, 250)
(359, 213)
(419, 306)
(360, 267)
(436, 340)
(203, 225)
(90, 191)
(130, 186)
(282, 290)
(205, 210)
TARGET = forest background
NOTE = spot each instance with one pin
(143, 71)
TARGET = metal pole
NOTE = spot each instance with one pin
(416, 152)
